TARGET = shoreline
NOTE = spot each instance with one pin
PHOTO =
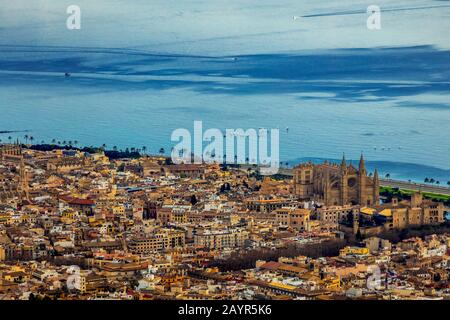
(395, 176)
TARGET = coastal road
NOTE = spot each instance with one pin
(415, 186)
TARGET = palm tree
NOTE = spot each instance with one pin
(26, 138)
(64, 142)
(162, 151)
(31, 139)
(426, 180)
(388, 175)
(9, 138)
(437, 182)
(144, 148)
(448, 183)
(115, 148)
(53, 141)
(432, 180)
(42, 142)
(75, 142)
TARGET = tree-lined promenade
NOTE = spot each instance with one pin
(406, 185)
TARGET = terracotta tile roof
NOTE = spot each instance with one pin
(77, 201)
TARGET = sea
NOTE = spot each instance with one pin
(138, 70)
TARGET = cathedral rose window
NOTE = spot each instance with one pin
(351, 182)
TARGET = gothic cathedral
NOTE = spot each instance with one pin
(334, 184)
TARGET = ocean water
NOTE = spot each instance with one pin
(141, 69)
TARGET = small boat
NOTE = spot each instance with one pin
(67, 74)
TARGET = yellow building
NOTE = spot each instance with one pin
(349, 251)
(2, 254)
(5, 219)
(293, 218)
(331, 282)
(118, 210)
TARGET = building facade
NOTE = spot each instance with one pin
(294, 218)
(220, 238)
(158, 241)
(334, 184)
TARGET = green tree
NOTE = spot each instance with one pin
(358, 235)
(194, 200)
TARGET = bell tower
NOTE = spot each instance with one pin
(362, 182)
(303, 180)
(376, 188)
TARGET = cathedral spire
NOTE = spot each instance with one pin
(375, 175)
(343, 163)
(362, 166)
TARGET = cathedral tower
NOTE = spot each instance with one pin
(362, 181)
(343, 181)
